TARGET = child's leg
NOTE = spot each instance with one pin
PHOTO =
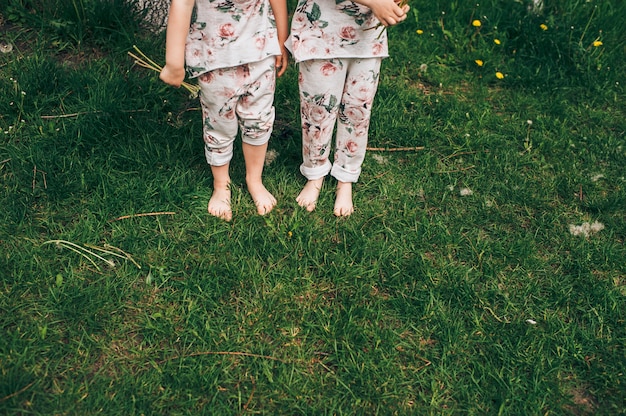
(219, 131)
(219, 204)
(321, 85)
(255, 111)
(255, 159)
(353, 127)
(343, 199)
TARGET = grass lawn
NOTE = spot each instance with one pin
(483, 271)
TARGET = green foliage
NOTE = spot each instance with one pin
(483, 274)
(560, 43)
(96, 21)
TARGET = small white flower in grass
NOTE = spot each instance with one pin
(586, 229)
(450, 187)
(380, 159)
(6, 47)
(531, 321)
(596, 227)
(466, 192)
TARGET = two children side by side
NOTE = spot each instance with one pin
(237, 48)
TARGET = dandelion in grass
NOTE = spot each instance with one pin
(419, 31)
(597, 43)
(499, 75)
(543, 26)
(479, 62)
(497, 41)
(476, 23)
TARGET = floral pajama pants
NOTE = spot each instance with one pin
(233, 99)
(341, 92)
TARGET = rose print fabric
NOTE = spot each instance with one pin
(236, 99)
(337, 91)
(228, 33)
(322, 29)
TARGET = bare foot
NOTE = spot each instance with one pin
(219, 204)
(262, 198)
(309, 194)
(343, 200)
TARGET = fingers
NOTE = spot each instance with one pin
(394, 16)
(282, 61)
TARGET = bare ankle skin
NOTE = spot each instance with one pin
(219, 204)
(343, 200)
(307, 198)
(254, 157)
(262, 198)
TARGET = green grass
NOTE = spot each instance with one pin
(424, 301)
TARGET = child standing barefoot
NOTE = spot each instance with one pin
(234, 48)
(339, 48)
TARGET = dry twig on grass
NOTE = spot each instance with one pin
(395, 149)
(144, 214)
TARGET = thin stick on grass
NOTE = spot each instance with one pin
(82, 251)
(20, 391)
(128, 256)
(51, 117)
(144, 214)
(82, 113)
(395, 149)
(124, 255)
(43, 175)
(245, 407)
(456, 170)
(233, 353)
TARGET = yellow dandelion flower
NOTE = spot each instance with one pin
(543, 26)
(479, 62)
(597, 43)
(497, 41)
(499, 75)
(476, 23)
(419, 31)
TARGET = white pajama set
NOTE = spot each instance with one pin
(231, 49)
(339, 46)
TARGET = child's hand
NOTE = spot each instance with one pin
(172, 76)
(387, 11)
(282, 61)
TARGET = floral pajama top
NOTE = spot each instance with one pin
(325, 29)
(229, 33)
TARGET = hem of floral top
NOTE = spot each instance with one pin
(230, 66)
(339, 57)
